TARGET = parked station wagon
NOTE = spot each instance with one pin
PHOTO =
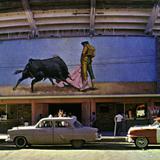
(144, 135)
(55, 130)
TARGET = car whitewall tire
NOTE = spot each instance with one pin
(141, 142)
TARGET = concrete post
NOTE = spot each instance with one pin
(86, 113)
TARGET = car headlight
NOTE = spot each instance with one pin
(8, 138)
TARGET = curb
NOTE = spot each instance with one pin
(113, 139)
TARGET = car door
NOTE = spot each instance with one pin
(43, 133)
(63, 132)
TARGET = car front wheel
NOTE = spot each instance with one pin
(20, 142)
(141, 142)
(77, 143)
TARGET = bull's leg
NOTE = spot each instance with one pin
(51, 80)
(18, 82)
(35, 81)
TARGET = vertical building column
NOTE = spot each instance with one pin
(92, 17)
(38, 109)
(93, 105)
(33, 113)
(86, 110)
(45, 110)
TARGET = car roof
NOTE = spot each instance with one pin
(57, 118)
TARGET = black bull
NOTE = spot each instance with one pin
(52, 68)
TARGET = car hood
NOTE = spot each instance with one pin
(22, 127)
(142, 127)
(90, 128)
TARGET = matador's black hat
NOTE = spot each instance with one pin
(85, 42)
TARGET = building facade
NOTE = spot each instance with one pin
(126, 81)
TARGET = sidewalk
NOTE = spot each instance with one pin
(113, 139)
(110, 133)
(109, 137)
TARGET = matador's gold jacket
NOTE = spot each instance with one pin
(88, 53)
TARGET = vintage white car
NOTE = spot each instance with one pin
(55, 130)
(144, 135)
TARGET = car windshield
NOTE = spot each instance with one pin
(155, 123)
(77, 124)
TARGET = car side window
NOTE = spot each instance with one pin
(77, 124)
(45, 124)
(61, 124)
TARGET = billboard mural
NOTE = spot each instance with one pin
(78, 65)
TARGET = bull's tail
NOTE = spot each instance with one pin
(18, 71)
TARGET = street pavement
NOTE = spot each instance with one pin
(109, 148)
(94, 151)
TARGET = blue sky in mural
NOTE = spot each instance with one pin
(118, 59)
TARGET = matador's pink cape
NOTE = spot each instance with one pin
(76, 79)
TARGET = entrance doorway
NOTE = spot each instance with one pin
(106, 113)
(68, 108)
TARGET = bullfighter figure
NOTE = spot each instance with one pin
(88, 53)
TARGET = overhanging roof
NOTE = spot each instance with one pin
(26, 19)
(81, 96)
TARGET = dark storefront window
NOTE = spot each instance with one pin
(135, 111)
(154, 110)
(12, 115)
(18, 112)
(105, 113)
(134, 114)
(3, 112)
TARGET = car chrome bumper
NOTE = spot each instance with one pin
(129, 139)
(8, 139)
(98, 137)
